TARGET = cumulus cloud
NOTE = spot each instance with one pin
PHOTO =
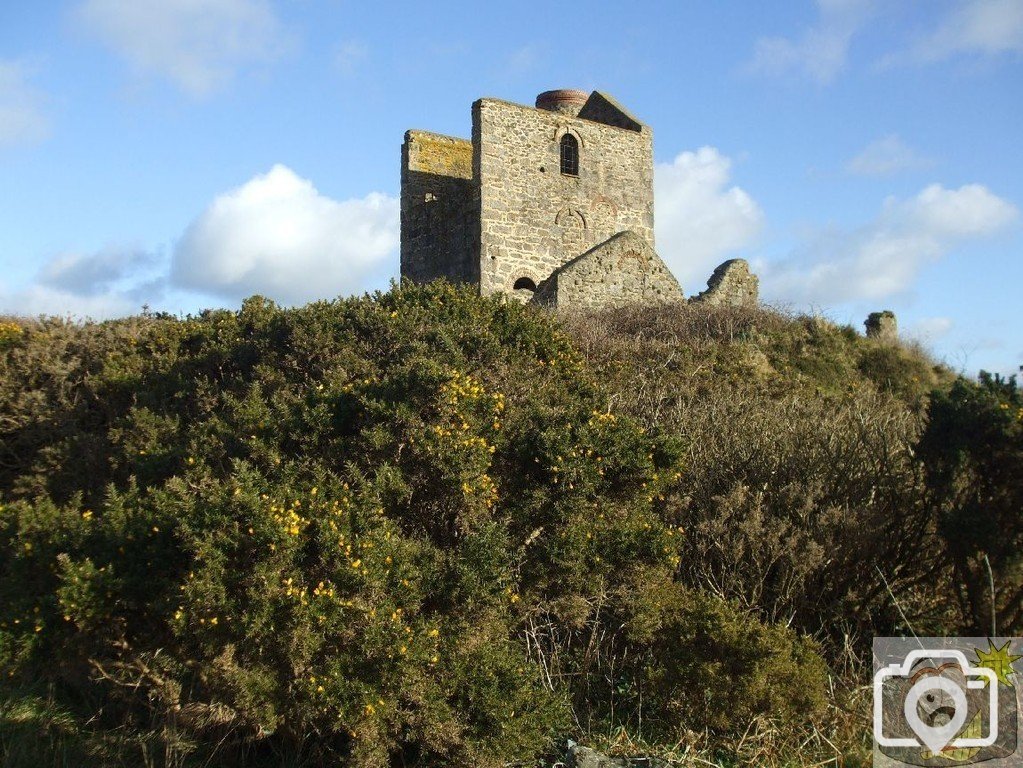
(37, 299)
(984, 27)
(699, 218)
(276, 235)
(22, 119)
(114, 281)
(198, 45)
(820, 53)
(886, 156)
(97, 273)
(884, 257)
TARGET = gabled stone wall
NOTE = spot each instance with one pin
(622, 270)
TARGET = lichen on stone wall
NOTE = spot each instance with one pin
(622, 270)
(533, 218)
(731, 284)
(439, 233)
(434, 153)
(882, 326)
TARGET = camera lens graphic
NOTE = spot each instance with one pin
(935, 709)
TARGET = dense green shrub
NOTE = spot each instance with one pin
(425, 528)
(908, 376)
(805, 502)
(327, 533)
(706, 665)
(684, 661)
(972, 450)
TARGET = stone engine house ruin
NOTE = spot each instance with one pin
(552, 204)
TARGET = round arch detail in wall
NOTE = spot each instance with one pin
(570, 217)
(562, 130)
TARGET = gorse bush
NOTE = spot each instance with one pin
(9, 333)
(972, 450)
(411, 529)
(805, 501)
(427, 528)
(705, 656)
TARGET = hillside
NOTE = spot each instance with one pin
(426, 528)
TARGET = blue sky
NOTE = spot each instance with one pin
(861, 154)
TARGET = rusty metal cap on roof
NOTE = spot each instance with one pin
(564, 100)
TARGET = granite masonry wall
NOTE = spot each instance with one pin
(732, 284)
(533, 218)
(497, 212)
(621, 270)
(439, 209)
(882, 326)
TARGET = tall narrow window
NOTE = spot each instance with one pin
(569, 155)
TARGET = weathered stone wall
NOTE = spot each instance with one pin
(732, 284)
(439, 209)
(882, 326)
(498, 213)
(533, 218)
(622, 270)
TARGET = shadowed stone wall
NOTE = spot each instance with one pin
(601, 108)
(439, 209)
(882, 325)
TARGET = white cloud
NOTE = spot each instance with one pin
(37, 299)
(885, 157)
(278, 236)
(199, 45)
(114, 281)
(97, 273)
(699, 219)
(884, 257)
(970, 211)
(21, 107)
(821, 52)
(986, 27)
(275, 235)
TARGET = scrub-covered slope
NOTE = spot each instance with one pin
(429, 528)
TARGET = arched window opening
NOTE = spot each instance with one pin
(569, 155)
(524, 284)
